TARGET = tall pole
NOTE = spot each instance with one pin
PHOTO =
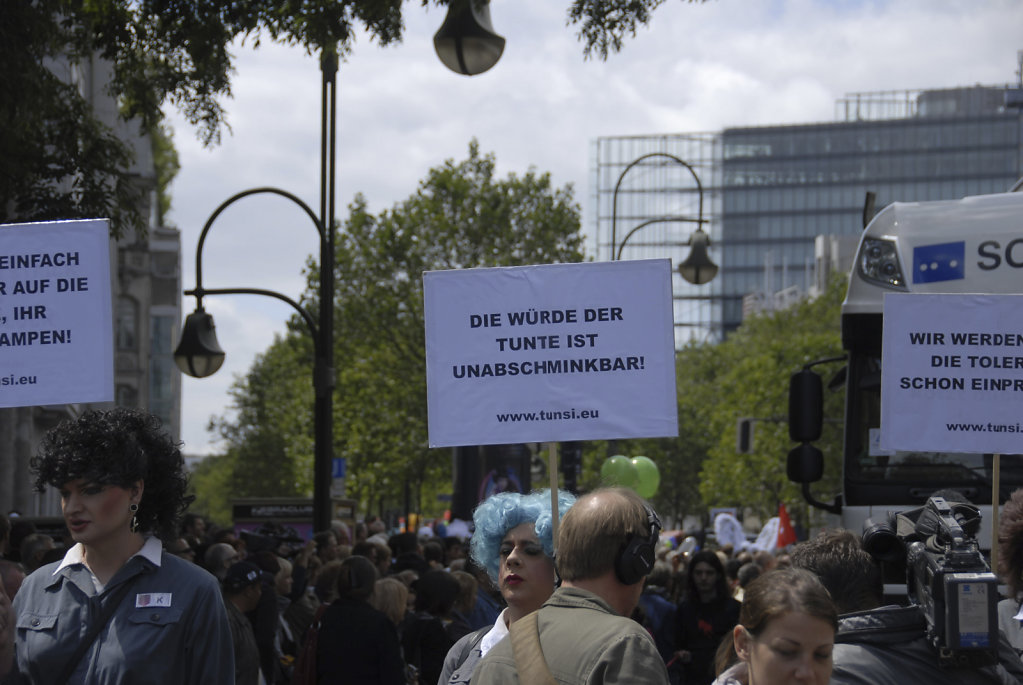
(323, 373)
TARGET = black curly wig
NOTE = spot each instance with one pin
(119, 447)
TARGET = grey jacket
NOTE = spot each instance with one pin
(170, 629)
(889, 646)
(583, 641)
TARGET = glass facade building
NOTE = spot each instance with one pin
(770, 191)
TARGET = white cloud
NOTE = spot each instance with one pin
(697, 67)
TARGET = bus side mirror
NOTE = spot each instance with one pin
(805, 464)
(806, 406)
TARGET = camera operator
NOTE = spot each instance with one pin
(884, 645)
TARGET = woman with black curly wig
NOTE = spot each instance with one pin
(156, 618)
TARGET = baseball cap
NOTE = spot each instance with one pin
(240, 575)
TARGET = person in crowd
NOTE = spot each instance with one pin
(785, 634)
(884, 645)
(458, 626)
(407, 553)
(243, 589)
(357, 644)
(1010, 567)
(13, 575)
(390, 597)
(193, 531)
(7, 623)
(265, 616)
(20, 529)
(706, 614)
(218, 558)
(732, 567)
(325, 587)
(433, 552)
(424, 638)
(657, 611)
(748, 572)
(489, 601)
(5, 535)
(513, 544)
(179, 548)
(361, 532)
(326, 546)
(454, 549)
(155, 618)
(33, 549)
(606, 546)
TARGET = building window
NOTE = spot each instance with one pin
(126, 332)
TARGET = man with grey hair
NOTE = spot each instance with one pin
(219, 557)
(583, 633)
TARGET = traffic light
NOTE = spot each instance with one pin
(572, 464)
(744, 436)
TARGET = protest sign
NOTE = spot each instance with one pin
(56, 333)
(952, 373)
(550, 353)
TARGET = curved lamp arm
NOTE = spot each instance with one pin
(621, 177)
(646, 223)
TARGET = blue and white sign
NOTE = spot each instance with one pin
(549, 353)
(56, 333)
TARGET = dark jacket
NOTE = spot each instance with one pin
(358, 645)
(889, 646)
(699, 629)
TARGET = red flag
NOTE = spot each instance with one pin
(786, 536)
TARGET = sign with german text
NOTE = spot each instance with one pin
(56, 332)
(550, 353)
(952, 373)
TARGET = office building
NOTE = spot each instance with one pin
(770, 191)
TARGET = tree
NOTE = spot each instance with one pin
(58, 161)
(461, 216)
(749, 376)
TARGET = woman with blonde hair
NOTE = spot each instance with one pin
(390, 597)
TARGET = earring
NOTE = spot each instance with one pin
(133, 508)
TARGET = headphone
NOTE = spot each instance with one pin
(636, 557)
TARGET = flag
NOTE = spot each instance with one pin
(786, 536)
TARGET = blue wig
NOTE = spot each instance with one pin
(501, 512)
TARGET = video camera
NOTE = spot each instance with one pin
(272, 536)
(946, 575)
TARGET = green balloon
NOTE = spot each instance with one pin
(649, 477)
(618, 470)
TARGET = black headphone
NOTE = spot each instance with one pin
(636, 557)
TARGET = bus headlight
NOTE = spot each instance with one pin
(879, 263)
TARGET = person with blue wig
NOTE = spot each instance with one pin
(514, 541)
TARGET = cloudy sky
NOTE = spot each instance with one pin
(696, 68)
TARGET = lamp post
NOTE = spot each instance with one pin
(198, 354)
(697, 268)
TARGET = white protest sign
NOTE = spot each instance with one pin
(56, 332)
(952, 373)
(550, 353)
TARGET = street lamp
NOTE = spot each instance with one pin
(199, 354)
(466, 42)
(697, 268)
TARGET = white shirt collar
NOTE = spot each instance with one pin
(152, 550)
(495, 635)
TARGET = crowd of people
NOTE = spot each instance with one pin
(547, 589)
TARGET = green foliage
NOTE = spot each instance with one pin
(750, 377)
(604, 24)
(461, 216)
(57, 161)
